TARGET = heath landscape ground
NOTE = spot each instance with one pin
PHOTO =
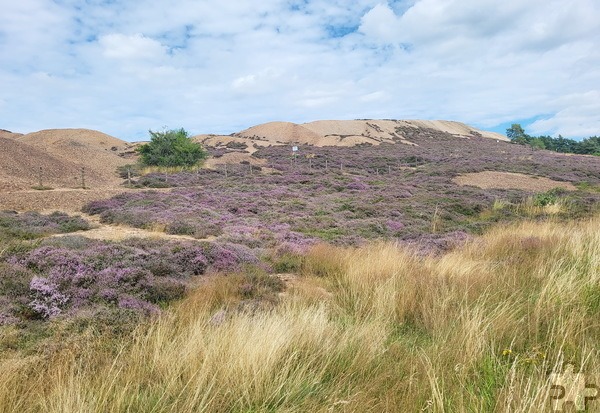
(397, 266)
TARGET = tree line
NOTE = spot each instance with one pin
(587, 146)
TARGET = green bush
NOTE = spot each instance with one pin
(171, 148)
(548, 197)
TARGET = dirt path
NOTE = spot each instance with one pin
(71, 201)
(107, 232)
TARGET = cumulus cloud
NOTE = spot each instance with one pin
(212, 66)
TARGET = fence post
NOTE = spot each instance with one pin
(41, 185)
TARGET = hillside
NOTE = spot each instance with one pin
(450, 273)
(61, 153)
(8, 134)
(327, 133)
(354, 132)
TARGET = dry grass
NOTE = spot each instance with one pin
(478, 329)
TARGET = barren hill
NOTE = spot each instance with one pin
(353, 132)
(333, 133)
(61, 153)
(62, 141)
(8, 134)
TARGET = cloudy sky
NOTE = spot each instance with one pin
(126, 66)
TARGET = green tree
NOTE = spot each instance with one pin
(537, 143)
(171, 148)
(517, 134)
(590, 146)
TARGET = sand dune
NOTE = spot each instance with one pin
(334, 133)
(354, 132)
(280, 132)
(63, 141)
(8, 134)
(61, 153)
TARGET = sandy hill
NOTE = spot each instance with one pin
(353, 132)
(61, 153)
(58, 140)
(333, 133)
(8, 134)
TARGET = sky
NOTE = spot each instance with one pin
(127, 66)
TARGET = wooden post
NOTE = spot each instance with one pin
(41, 184)
(83, 177)
(389, 169)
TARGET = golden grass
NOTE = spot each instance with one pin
(476, 330)
(168, 169)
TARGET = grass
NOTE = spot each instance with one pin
(145, 170)
(366, 329)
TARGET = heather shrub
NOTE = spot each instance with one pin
(285, 261)
(30, 225)
(165, 290)
(256, 285)
(181, 228)
(386, 191)
(63, 278)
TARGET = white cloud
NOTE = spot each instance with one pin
(137, 46)
(579, 117)
(212, 66)
(381, 24)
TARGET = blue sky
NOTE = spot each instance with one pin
(124, 67)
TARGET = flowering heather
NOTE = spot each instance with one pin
(29, 225)
(348, 195)
(67, 275)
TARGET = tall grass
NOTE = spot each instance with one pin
(476, 330)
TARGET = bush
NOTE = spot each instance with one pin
(548, 197)
(171, 148)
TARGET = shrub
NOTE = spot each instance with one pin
(171, 148)
(547, 198)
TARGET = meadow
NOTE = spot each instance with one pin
(368, 329)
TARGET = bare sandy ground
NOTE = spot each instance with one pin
(68, 200)
(354, 132)
(118, 233)
(509, 180)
